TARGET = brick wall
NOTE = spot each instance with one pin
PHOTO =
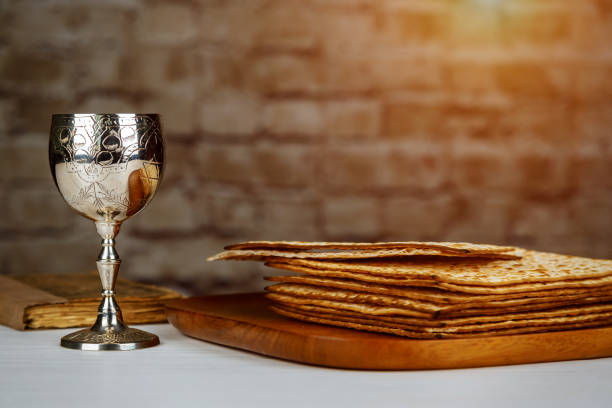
(478, 120)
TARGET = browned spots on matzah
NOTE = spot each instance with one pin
(533, 267)
(360, 308)
(375, 311)
(469, 309)
(599, 282)
(352, 297)
(600, 317)
(441, 297)
(425, 335)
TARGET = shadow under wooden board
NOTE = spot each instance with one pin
(244, 321)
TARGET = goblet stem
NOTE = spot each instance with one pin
(108, 260)
(109, 313)
(109, 332)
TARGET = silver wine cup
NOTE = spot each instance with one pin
(107, 167)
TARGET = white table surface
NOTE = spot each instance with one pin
(183, 372)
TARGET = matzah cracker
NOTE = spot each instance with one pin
(352, 297)
(373, 311)
(264, 254)
(392, 319)
(423, 335)
(464, 316)
(533, 267)
(442, 297)
(421, 324)
(606, 317)
(434, 289)
(605, 281)
(361, 308)
(302, 246)
(603, 318)
(532, 307)
(474, 309)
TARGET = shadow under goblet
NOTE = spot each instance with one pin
(107, 168)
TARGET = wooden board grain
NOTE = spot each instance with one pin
(244, 321)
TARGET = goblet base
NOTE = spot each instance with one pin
(127, 339)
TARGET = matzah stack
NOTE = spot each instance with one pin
(433, 290)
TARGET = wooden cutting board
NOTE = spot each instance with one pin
(244, 321)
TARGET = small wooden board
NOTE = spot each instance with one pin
(244, 321)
